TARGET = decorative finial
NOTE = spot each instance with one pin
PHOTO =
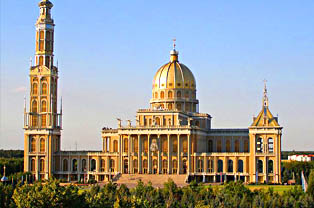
(174, 43)
(265, 98)
(174, 53)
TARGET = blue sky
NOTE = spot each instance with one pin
(109, 51)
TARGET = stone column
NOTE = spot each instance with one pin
(195, 164)
(139, 153)
(169, 156)
(120, 156)
(107, 164)
(129, 154)
(189, 153)
(205, 164)
(159, 154)
(179, 154)
(149, 156)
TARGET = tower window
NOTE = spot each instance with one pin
(259, 145)
(41, 60)
(42, 165)
(34, 106)
(271, 145)
(43, 106)
(270, 166)
(42, 35)
(35, 88)
(44, 88)
(33, 145)
(230, 166)
(246, 145)
(41, 45)
(240, 166)
(33, 165)
(42, 145)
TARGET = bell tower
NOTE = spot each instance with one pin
(265, 145)
(42, 123)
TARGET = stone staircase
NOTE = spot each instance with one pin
(157, 180)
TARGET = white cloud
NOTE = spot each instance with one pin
(19, 89)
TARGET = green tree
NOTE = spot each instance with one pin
(310, 188)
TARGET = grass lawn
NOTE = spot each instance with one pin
(277, 188)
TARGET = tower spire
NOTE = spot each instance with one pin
(265, 98)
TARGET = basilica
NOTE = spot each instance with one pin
(171, 137)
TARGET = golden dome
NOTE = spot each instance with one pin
(174, 75)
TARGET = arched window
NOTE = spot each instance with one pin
(260, 166)
(240, 166)
(35, 88)
(179, 106)
(135, 145)
(156, 94)
(34, 106)
(170, 106)
(43, 106)
(219, 145)
(210, 166)
(135, 165)
(42, 35)
(42, 145)
(84, 165)
(237, 146)
(33, 144)
(65, 165)
(74, 165)
(115, 146)
(259, 145)
(270, 166)
(179, 94)
(174, 145)
(44, 88)
(41, 60)
(230, 166)
(220, 166)
(33, 165)
(162, 94)
(210, 145)
(164, 145)
(126, 148)
(42, 165)
(92, 165)
(111, 161)
(185, 145)
(170, 94)
(102, 165)
(246, 145)
(271, 145)
(164, 166)
(228, 149)
(145, 165)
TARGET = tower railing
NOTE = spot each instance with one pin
(42, 120)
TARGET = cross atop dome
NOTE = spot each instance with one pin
(174, 53)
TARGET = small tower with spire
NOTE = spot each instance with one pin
(265, 145)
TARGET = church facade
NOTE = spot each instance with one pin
(170, 137)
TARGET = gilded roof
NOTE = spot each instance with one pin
(174, 75)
